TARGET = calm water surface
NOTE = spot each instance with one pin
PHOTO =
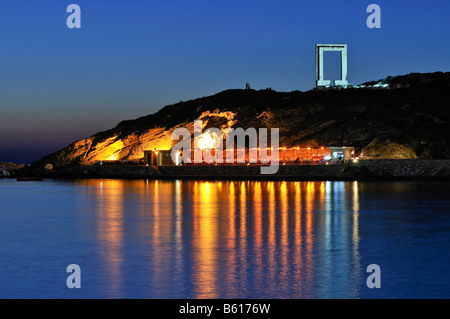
(199, 239)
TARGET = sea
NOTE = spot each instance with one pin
(156, 239)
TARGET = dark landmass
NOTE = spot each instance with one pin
(407, 121)
(8, 169)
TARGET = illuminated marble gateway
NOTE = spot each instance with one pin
(320, 49)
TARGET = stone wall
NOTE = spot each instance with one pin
(405, 167)
(361, 169)
(364, 169)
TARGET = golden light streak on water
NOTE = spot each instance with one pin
(355, 229)
(357, 272)
(243, 230)
(272, 231)
(110, 232)
(231, 240)
(309, 206)
(156, 233)
(284, 201)
(298, 236)
(232, 216)
(321, 195)
(258, 216)
(258, 232)
(179, 225)
(156, 211)
(205, 241)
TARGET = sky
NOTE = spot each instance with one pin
(131, 58)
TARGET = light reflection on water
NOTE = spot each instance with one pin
(228, 239)
(255, 239)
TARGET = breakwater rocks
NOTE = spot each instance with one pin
(363, 169)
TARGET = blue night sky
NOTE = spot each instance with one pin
(130, 58)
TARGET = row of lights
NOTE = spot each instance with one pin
(269, 148)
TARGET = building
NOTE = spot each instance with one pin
(289, 156)
(158, 158)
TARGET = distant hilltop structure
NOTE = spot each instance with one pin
(342, 83)
(321, 83)
(320, 49)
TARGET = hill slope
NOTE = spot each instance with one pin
(410, 120)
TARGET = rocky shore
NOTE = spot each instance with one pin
(363, 169)
(9, 169)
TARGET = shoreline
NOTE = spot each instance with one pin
(377, 170)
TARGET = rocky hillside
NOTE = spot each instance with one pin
(409, 120)
(8, 169)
